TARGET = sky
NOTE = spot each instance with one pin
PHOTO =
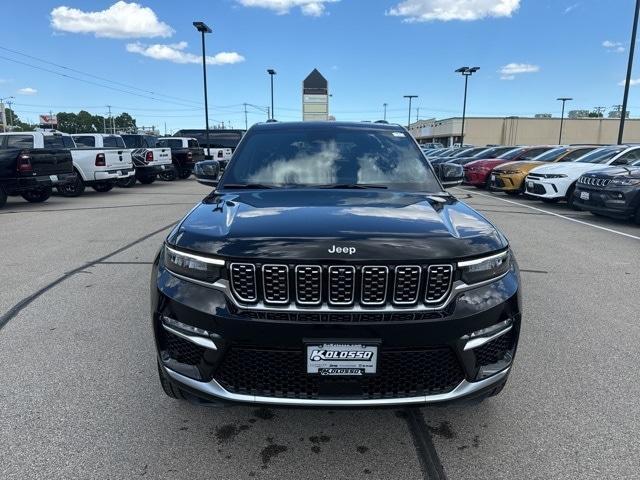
(145, 58)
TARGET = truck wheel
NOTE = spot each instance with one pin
(169, 176)
(185, 173)
(3, 197)
(74, 189)
(147, 180)
(168, 386)
(102, 186)
(37, 196)
(127, 182)
(636, 218)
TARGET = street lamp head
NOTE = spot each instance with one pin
(474, 69)
(202, 27)
(565, 99)
(462, 69)
(410, 96)
(271, 71)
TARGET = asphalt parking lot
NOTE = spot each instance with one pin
(80, 396)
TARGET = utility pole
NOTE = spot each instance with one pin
(563, 100)
(2, 116)
(109, 107)
(51, 118)
(418, 114)
(10, 106)
(385, 111)
(410, 97)
(104, 125)
(246, 123)
(268, 113)
(627, 83)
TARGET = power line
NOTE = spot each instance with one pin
(90, 82)
(133, 87)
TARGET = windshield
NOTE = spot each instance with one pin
(551, 155)
(462, 152)
(511, 154)
(331, 156)
(600, 155)
(577, 153)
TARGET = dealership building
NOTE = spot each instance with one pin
(524, 131)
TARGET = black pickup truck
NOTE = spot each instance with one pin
(185, 152)
(31, 172)
(330, 268)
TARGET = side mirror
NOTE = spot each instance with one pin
(207, 172)
(450, 174)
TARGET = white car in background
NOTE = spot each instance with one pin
(552, 183)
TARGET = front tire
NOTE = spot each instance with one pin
(102, 186)
(570, 198)
(185, 173)
(3, 197)
(170, 388)
(37, 196)
(635, 219)
(74, 189)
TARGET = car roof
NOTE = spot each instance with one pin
(325, 125)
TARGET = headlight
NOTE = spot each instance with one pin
(554, 175)
(483, 269)
(510, 172)
(625, 181)
(193, 266)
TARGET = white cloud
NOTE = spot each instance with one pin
(445, 10)
(120, 20)
(613, 46)
(313, 8)
(174, 52)
(571, 8)
(27, 91)
(512, 69)
(632, 83)
(508, 77)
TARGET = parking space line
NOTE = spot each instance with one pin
(427, 455)
(25, 302)
(559, 215)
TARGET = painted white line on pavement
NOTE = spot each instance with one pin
(610, 230)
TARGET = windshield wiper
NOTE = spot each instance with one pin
(352, 186)
(240, 186)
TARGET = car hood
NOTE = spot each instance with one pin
(612, 172)
(570, 169)
(487, 163)
(305, 224)
(522, 166)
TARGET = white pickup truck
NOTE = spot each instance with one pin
(148, 160)
(98, 168)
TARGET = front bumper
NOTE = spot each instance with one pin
(476, 177)
(258, 357)
(618, 202)
(504, 182)
(547, 188)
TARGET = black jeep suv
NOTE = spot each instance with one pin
(330, 268)
(611, 191)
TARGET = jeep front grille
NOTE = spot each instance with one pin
(594, 181)
(341, 285)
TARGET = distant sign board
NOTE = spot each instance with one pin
(315, 97)
(48, 120)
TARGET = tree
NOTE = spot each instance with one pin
(126, 123)
(15, 123)
(595, 114)
(543, 115)
(578, 114)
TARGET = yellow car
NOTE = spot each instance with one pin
(509, 177)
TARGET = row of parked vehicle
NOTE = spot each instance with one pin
(604, 180)
(32, 164)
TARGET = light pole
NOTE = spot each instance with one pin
(3, 112)
(385, 111)
(410, 97)
(632, 47)
(271, 73)
(563, 100)
(203, 28)
(466, 72)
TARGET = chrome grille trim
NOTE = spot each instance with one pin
(417, 268)
(232, 270)
(285, 287)
(362, 284)
(317, 268)
(594, 181)
(349, 268)
(446, 268)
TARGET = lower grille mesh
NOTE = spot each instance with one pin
(282, 374)
(495, 350)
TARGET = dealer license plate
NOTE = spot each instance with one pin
(53, 178)
(341, 359)
(584, 196)
(530, 185)
(493, 178)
